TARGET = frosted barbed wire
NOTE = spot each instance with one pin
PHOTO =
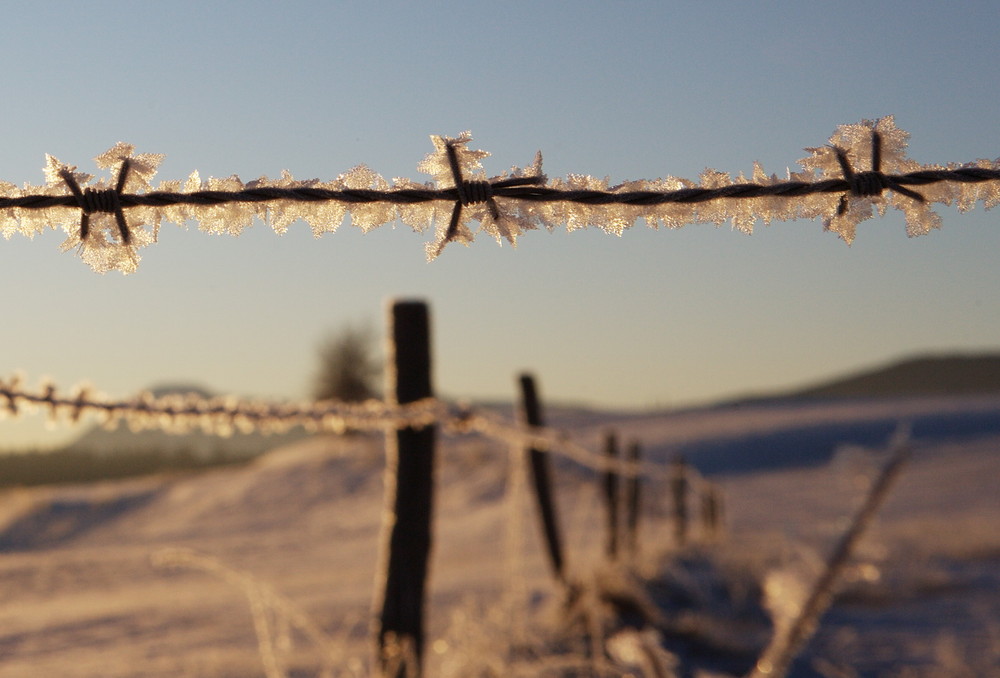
(541, 438)
(222, 416)
(554, 441)
(505, 206)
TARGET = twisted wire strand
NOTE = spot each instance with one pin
(220, 416)
(516, 189)
(548, 440)
(224, 416)
(505, 206)
(92, 200)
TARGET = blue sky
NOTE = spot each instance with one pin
(625, 90)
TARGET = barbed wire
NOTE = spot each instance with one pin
(219, 416)
(228, 415)
(107, 222)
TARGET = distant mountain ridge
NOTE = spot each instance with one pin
(952, 374)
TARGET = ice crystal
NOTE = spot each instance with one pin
(141, 168)
(228, 218)
(104, 247)
(421, 217)
(326, 217)
(987, 192)
(283, 213)
(856, 142)
(9, 220)
(438, 165)
(104, 251)
(494, 220)
(368, 216)
(54, 172)
(512, 222)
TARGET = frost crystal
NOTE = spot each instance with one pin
(104, 245)
(368, 216)
(856, 142)
(228, 205)
(494, 220)
(141, 167)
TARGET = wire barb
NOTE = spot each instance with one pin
(106, 200)
(871, 183)
(476, 192)
(468, 192)
(456, 212)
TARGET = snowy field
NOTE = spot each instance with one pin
(268, 569)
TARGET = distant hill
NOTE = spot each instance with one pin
(924, 375)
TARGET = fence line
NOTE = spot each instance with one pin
(863, 168)
(226, 415)
(220, 416)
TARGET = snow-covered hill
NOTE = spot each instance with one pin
(177, 575)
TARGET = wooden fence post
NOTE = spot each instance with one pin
(633, 500)
(678, 492)
(531, 410)
(409, 488)
(711, 510)
(611, 494)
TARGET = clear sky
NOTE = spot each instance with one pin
(625, 90)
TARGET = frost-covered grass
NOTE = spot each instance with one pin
(279, 555)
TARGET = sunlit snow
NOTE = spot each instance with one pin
(270, 567)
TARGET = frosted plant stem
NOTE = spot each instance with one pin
(265, 635)
(516, 593)
(264, 603)
(778, 656)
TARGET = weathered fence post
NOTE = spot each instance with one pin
(633, 501)
(409, 488)
(531, 410)
(611, 493)
(678, 492)
(711, 511)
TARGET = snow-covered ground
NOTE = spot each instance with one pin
(183, 575)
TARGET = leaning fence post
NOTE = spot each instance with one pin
(678, 492)
(611, 493)
(632, 499)
(531, 410)
(409, 487)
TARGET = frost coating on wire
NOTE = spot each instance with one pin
(506, 224)
(227, 415)
(222, 416)
(527, 202)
